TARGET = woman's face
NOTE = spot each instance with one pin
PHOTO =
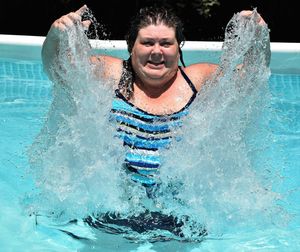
(155, 54)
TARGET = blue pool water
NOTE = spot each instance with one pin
(234, 170)
(25, 98)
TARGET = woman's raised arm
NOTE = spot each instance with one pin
(59, 32)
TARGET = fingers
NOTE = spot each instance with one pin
(82, 10)
(67, 21)
(246, 13)
(86, 24)
(249, 13)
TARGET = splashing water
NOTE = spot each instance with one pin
(209, 175)
(75, 158)
(212, 168)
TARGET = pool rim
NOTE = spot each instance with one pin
(285, 55)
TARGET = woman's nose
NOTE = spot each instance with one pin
(156, 49)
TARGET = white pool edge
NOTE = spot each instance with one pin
(285, 55)
(24, 40)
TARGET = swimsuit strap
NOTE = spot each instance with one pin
(187, 79)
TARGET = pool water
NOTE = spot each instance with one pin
(25, 97)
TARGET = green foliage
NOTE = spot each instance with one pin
(203, 7)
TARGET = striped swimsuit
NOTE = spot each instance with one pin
(145, 134)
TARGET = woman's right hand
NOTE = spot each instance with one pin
(67, 21)
(59, 32)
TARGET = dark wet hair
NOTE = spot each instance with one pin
(145, 17)
(154, 15)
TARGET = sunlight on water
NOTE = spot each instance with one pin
(210, 175)
(219, 183)
(75, 158)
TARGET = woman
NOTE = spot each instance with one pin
(153, 94)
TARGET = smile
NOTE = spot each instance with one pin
(155, 64)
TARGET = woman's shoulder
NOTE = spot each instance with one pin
(107, 61)
(109, 67)
(199, 73)
(203, 68)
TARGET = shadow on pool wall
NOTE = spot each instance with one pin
(198, 27)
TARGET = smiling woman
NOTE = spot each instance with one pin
(155, 55)
(151, 82)
(153, 94)
(158, 86)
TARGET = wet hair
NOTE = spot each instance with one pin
(146, 16)
(153, 16)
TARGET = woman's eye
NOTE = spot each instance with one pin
(147, 43)
(165, 44)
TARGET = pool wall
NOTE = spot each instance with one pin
(285, 56)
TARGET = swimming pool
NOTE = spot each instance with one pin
(25, 94)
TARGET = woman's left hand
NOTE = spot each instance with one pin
(248, 13)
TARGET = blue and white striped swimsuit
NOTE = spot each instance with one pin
(145, 134)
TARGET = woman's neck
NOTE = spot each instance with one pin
(153, 88)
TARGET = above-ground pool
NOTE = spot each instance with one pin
(25, 98)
